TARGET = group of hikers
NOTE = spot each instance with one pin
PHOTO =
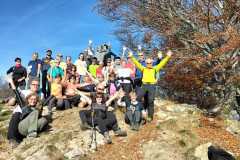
(98, 87)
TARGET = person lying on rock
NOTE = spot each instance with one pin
(104, 119)
(133, 115)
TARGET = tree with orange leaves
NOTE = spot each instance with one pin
(205, 34)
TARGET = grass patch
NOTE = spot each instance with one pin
(3, 132)
(5, 113)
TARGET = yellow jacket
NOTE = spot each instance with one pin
(149, 74)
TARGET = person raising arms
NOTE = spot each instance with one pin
(149, 79)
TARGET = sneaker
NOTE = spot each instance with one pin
(32, 135)
(107, 138)
(120, 132)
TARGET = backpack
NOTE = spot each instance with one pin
(218, 154)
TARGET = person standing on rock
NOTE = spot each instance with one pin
(34, 68)
(19, 74)
(81, 65)
(44, 68)
(149, 79)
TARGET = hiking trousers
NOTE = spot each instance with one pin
(74, 100)
(32, 124)
(60, 104)
(148, 92)
(45, 85)
(133, 117)
(104, 125)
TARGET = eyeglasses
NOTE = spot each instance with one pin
(34, 84)
(148, 63)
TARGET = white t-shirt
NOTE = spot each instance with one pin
(124, 73)
(81, 67)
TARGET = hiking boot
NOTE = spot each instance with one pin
(107, 138)
(120, 132)
(84, 125)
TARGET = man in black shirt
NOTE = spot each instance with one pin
(19, 74)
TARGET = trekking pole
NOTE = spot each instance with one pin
(93, 133)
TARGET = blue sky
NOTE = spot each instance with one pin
(61, 25)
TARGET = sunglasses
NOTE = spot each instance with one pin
(140, 55)
(34, 84)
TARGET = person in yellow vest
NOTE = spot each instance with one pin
(149, 79)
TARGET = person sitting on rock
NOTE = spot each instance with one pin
(32, 121)
(19, 74)
(57, 98)
(134, 109)
(27, 120)
(103, 118)
(71, 88)
(13, 134)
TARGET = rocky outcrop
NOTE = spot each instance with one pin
(174, 137)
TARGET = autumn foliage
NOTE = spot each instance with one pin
(204, 34)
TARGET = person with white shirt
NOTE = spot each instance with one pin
(81, 65)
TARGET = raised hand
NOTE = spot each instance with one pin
(169, 53)
(130, 54)
(160, 54)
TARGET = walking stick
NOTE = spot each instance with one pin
(93, 133)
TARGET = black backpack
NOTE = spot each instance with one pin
(218, 154)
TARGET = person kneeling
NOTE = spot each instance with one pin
(133, 115)
(100, 117)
